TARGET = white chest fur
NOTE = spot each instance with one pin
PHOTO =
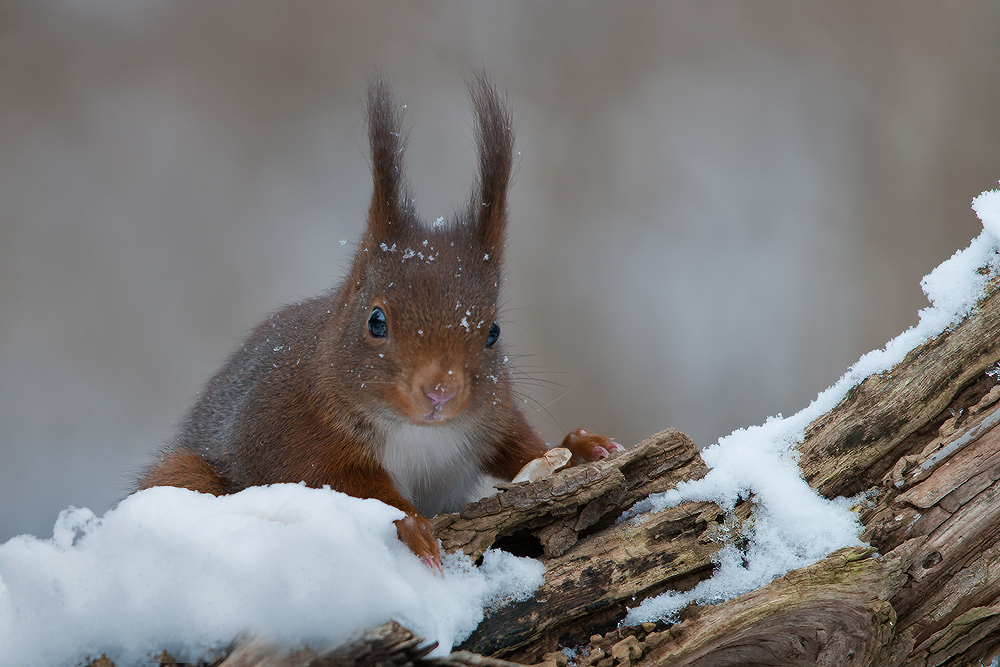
(437, 468)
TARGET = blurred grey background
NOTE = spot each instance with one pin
(718, 207)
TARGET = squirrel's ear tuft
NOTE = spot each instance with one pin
(391, 204)
(495, 143)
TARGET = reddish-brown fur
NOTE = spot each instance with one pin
(318, 393)
(185, 469)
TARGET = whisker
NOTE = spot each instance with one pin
(546, 406)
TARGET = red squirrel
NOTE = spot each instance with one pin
(394, 385)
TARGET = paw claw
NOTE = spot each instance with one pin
(434, 564)
(590, 446)
(416, 532)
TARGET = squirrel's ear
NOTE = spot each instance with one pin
(495, 143)
(390, 206)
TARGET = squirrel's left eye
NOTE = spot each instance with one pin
(494, 335)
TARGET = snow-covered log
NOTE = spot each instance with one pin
(921, 444)
(919, 447)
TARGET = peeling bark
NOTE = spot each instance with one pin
(556, 510)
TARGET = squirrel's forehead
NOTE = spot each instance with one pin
(442, 296)
(453, 296)
(432, 263)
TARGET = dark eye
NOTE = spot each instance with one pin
(494, 335)
(378, 327)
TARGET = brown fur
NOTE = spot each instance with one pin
(314, 395)
(183, 468)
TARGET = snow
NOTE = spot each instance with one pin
(182, 571)
(987, 207)
(177, 570)
(793, 526)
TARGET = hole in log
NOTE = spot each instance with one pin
(520, 543)
(931, 559)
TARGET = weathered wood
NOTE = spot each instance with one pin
(946, 509)
(789, 622)
(590, 586)
(388, 645)
(895, 413)
(594, 577)
(557, 509)
(932, 599)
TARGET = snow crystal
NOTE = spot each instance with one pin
(794, 526)
(182, 571)
(987, 207)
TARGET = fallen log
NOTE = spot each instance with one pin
(919, 444)
(931, 598)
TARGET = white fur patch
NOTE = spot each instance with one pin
(437, 468)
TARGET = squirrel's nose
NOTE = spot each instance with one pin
(439, 394)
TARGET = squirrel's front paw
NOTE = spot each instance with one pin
(417, 533)
(589, 446)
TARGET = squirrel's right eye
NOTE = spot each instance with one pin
(494, 335)
(377, 326)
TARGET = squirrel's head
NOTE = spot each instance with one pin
(419, 337)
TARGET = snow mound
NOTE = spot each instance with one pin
(182, 571)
